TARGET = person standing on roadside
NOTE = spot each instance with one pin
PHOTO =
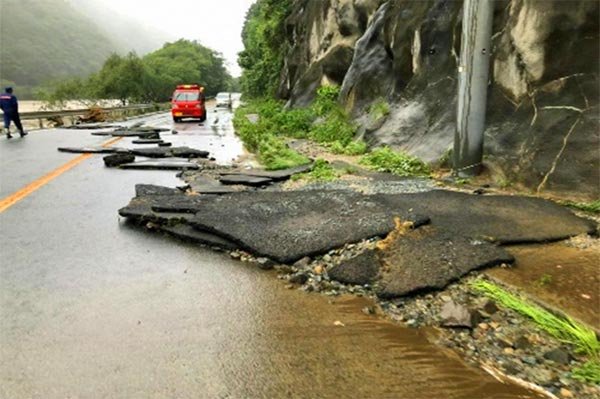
(10, 107)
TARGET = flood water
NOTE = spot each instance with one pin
(563, 277)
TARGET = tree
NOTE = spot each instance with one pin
(264, 47)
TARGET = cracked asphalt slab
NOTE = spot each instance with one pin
(289, 225)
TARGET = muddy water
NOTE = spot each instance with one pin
(564, 277)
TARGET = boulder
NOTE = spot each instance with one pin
(454, 315)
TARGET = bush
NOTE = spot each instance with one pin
(335, 127)
(274, 154)
(294, 123)
(352, 148)
(262, 136)
(265, 136)
(321, 171)
(398, 163)
(326, 100)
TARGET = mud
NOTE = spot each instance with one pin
(560, 276)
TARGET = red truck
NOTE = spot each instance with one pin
(188, 101)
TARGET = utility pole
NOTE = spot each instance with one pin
(473, 74)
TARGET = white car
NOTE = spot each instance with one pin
(224, 100)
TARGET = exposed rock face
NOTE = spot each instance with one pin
(542, 122)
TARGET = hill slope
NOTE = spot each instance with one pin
(41, 40)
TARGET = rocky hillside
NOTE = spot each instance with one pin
(542, 123)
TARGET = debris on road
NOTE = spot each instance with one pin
(92, 150)
(117, 159)
(93, 126)
(148, 141)
(274, 175)
(161, 165)
(167, 152)
(245, 180)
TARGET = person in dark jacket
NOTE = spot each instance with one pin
(10, 107)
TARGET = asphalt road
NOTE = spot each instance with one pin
(92, 307)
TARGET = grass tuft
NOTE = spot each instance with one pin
(321, 171)
(357, 147)
(591, 207)
(398, 163)
(565, 330)
(588, 372)
(379, 109)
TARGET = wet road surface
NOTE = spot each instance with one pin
(92, 307)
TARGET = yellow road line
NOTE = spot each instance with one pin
(12, 199)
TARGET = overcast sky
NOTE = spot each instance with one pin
(215, 23)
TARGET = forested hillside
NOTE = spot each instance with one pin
(42, 40)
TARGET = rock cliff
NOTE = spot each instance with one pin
(542, 122)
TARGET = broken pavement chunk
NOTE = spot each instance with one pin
(252, 181)
(275, 175)
(132, 133)
(185, 232)
(360, 270)
(167, 152)
(428, 258)
(151, 189)
(286, 226)
(91, 150)
(161, 165)
(147, 141)
(118, 159)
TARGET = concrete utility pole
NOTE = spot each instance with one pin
(473, 73)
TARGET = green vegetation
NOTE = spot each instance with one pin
(324, 122)
(386, 160)
(265, 135)
(379, 109)
(591, 207)
(264, 38)
(566, 330)
(321, 171)
(275, 154)
(588, 372)
(334, 128)
(504, 183)
(352, 148)
(151, 78)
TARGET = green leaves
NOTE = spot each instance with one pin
(401, 164)
(264, 47)
(566, 330)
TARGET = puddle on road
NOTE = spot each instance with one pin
(564, 277)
